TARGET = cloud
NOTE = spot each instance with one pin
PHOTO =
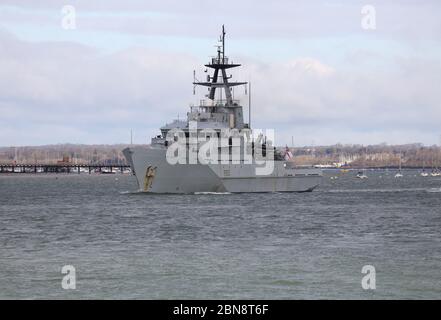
(305, 93)
(47, 85)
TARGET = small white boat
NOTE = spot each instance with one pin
(107, 171)
(361, 175)
(399, 174)
(435, 174)
(84, 170)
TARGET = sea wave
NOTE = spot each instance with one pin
(434, 190)
(376, 190)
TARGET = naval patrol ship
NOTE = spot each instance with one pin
(214, 150)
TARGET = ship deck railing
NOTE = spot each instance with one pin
(213, 103)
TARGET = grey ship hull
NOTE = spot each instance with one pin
(192, 178)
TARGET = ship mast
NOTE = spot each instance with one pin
(220, 63)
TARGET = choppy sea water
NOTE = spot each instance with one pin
(125, 244)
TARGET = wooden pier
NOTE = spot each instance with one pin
(64, 168)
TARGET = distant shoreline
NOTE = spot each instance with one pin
(383, 156)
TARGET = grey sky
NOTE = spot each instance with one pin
(316, 74)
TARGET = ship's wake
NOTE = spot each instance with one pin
(214, 193)
(377, 190)
(132, 192)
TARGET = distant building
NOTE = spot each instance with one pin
(66, 160)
